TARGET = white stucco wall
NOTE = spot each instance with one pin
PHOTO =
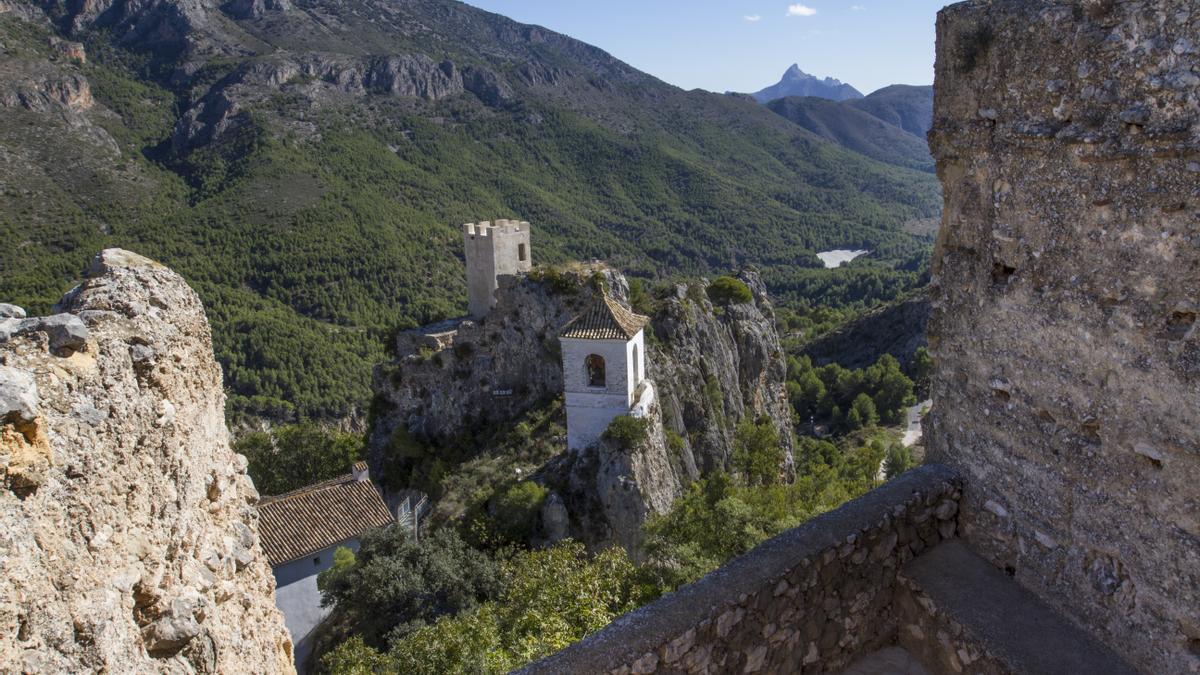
(591, 409)
(297, 596)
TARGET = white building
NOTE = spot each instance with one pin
(300, 530)
(493, 250)
(604, 370)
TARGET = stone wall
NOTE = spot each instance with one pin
(1066, 286)
(493, 250)
(811, 600)
(128, 533)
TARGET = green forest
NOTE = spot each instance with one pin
(317, 226)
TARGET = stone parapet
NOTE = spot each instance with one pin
(811, 600)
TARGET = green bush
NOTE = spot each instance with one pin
(628, 432)
(727, 290)
(550, 599)
(515, 511)
(757, 455)
(395, 585)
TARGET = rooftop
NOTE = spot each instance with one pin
(605, 320)
(299, 523)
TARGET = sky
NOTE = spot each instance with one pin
(746, 45)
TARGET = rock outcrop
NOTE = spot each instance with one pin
(1065, 333)
(715, 366)
(128, 533)
(711, 367)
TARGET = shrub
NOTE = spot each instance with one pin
(395, 585)
(515, 511)
(899, 459)
(727, 290)
(628, 432)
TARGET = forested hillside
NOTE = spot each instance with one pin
(306, 165)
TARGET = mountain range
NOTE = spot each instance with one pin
(888, 125)
(796, 82)
(306, 164)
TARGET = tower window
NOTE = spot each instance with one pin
(595, 371)
(521, 252)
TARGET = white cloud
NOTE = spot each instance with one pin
(857, 8)
(752, 18)
(800, 10)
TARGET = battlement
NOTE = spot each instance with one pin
(501, 227)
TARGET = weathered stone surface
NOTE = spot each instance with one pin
(65, 331)
(1065, 306)
(716, 367)
(115, 553)
(8, 311)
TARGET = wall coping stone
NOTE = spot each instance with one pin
(645, 629)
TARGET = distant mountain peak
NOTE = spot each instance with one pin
(796, 82)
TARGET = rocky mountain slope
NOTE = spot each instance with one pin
(897, 329)
(855, 130)
(796, 82)
(906, 106)
(128, 534)
(888, 125)
(304, 165)
(711, 367)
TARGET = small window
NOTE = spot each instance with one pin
(521, 252)
(637, 367)
(595, 371)
(317, 561)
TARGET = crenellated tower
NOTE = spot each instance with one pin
(492, 250)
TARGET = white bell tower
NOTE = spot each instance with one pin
(604, 364)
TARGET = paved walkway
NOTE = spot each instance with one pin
(912, 429)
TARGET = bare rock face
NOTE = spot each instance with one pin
(711, 368)
(128, 533)
(715, 366)
(1064, 328)
(611, 491)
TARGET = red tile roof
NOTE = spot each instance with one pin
(605, 320)
(302, 522)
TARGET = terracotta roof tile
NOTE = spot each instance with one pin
(605, 320)
(304, 521)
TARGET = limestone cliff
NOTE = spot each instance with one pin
(1065, 327)
(128, 533)
(710, 368)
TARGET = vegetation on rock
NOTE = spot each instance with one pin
(726, 290)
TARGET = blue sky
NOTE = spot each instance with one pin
(745, 45)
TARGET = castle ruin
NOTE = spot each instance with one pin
(493, 250)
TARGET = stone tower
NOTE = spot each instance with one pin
(493, 250)
(604, 366)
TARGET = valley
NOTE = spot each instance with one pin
(309, 187)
